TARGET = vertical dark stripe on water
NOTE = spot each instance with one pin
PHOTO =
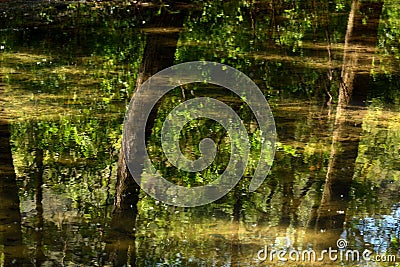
(10, 216)
(38, 178)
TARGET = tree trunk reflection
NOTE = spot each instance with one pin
(38, 177)
(162, 39)
(360, 36)
(10, 216)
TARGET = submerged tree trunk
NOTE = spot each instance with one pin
(360, 36)
(10, 216)
(159, 53)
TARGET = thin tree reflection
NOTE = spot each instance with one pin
(38, 177)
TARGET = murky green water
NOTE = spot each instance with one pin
(330, 72)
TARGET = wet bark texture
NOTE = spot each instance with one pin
(161, 41)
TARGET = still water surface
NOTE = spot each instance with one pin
(69, 70)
